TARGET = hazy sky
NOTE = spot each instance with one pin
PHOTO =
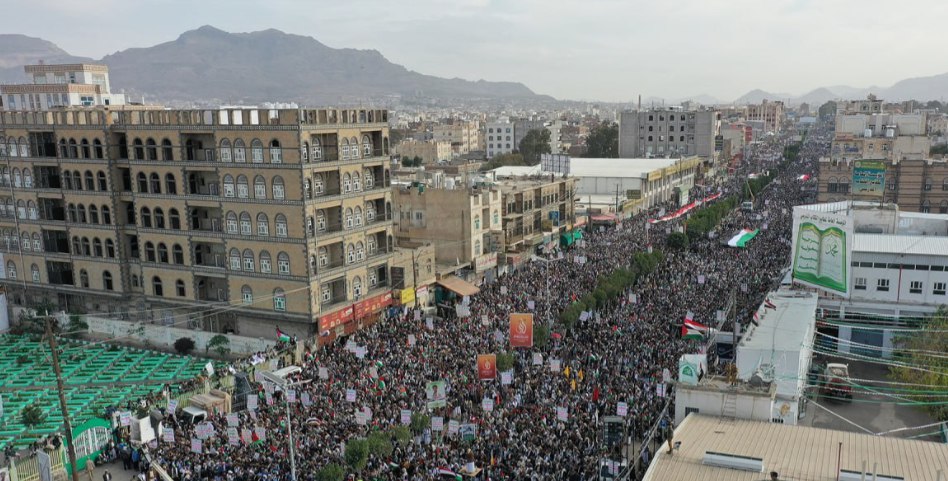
(574, 49)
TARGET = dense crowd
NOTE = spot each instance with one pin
(619, 353)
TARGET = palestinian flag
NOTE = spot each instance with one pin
(691, 334)
(769, 305)
(743, 237)
(282, 336)
(697, 326)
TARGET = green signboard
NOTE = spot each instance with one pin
(869, 178)
(822, 243)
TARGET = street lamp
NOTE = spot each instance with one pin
(283, 385)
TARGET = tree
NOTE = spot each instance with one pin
(380, 444)
(541, 335)
(32, 415)
(219, 344)
(535, 143)
(184, 345)
(827, 110)
(924, 349)
(603, 141)
(938, 149)
(357, 454)
(504, 361)
(401, 434)
(331, 472)
(677, 240)
(419, 422)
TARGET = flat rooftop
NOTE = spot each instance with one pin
(798, 453)
(594, 167)
(786, 327)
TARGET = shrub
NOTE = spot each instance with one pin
(184, 345)
(331, 472)
(504, 361)
(677, 240)
(419, 422)
(219, 344)
(32, 416)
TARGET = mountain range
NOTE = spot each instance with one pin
(210, 66)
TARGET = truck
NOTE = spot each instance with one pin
(836, 383)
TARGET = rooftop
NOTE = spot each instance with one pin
(797, 453)
(786, 327)
(637, 168)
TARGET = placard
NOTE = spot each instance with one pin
(406, 417)
(261, 433)
(172, 406)
(453, 427)
(506, 378)
(167, 435)
(486, 367)
(437, 423)
(323, 373)
(521, 330)
(562, 414)
(360, 418)
(307, 401)
(411, 340)
(537, 359)
(196, 446)
(233, 420)
(252, 401)
(622, 409)
(487, 404)
(555, 365)
(125, 418)
(350, 395)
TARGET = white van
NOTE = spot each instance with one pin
(192, 415)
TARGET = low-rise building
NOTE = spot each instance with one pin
(69, 85)
(536, 209)
(413, 274)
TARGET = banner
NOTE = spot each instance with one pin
(561, 413)
(869, 178)
(691, 367)
(521, 330)
(406, 417)
(195, 446)
(437, 423)
(167, 435)
(822, 247)
(486, 366)
(436, 395)
(350, 395)
(622, 409)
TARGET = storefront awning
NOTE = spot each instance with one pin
(458, 286)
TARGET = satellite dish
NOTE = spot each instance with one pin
(757, 381)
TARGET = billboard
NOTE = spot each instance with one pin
(869, 178)
(558, 163)
(486, 367)
(521, 330)
(821, 250)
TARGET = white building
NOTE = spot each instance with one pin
(499, 138)
(715, 396)
(60, 86)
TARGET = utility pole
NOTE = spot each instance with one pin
(71, 448)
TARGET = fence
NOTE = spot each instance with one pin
(653, 439)
(28, 468)
(164, 336)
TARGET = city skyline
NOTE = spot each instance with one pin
(721, 49)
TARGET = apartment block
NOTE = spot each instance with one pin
(464, 137)
(535, 210)
(668, 133)
(429, 151)
(500, 139)
(772, 114)
(224, 220)
(54, 86)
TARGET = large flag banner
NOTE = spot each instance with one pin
(691, 367)
(521, 330)
(486, 366)
(821, 250)
(743, 237)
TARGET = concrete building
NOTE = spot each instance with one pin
(522, 126)
(223, 220)
(711, 450)
(871, 105)
(464, 136)
(639, 183)
(771, 113)
(500, 139)
(744, 400)
(668, 132)
(53, 86)
(413, 274)
(429, 151)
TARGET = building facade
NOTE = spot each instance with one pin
(535, 209)
(429, 151)
(772, 114)
(668, 133)
(464, 136)
(499, 138)
(223, 220)
(55, 86)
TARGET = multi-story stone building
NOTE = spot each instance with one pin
(225, 220)
(61, 86)
(668, 133)
(463, 136)
(429, 151)
(770, 113)
(535, 208)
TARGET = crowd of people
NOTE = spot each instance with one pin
(546, 423)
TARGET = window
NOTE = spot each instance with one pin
(26, 241)
(179, 288)
(360, 251)
(318, 186)
(226, 155)
(346, 183)
(243, 188)
(304, 152)
(345, 149)
(159, 218)
(38, 246)
(373, 278)
(279, 300)
(356, 182)
(276, 154)
(245, 226)
(231, 223)
(107, 281)
(248, 260)
(166, 151)
(263, 225)
(369, 212)
(155, 184)
(146, 217)
(928, 183)
(943, 207)
(321, 220)
(27, 178)
(317, 150)
(170, 186)
(280, 222)
(178, 254)
(366, 146)
(882, 285)
(369, 179)
(350, 254)
(477, 222)
(134, 280)
(11, 270)
(357, 213)
(259, 187)
(357, 287)
(915, 287)
(96, 247)
(859, 283)
(926, 207)
(279, 191)
(372, 245)
(240, 153)
(142, 183)
(175, 219)
(138, 149)
(283, 263)
(83, 279)
(266, 265)
(349, 218)
(35, 273)
(256, 151)
(151, 149)
(939, 289)
(234, 260)
(228, 186)
(246, 294)
(323, 257)
(156, 288)
(109, 248)
(162, 253)
(103, 184)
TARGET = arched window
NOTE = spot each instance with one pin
(349, 218)
(279, 190)
(107, 281)
(226, 155)
(178, 254)
(76, 246)
(245, 226)
(259, 187)
(27, 178)
(67, 178)
(944, 184)
(31, 210)
(228, 186)
(159, 218)
(346, 183)
(308, 188)
(106, 215)
(345, 149)
(356, 182)
(103, 184)
(357, 214)
(146, 217)
(150, 252)
(35, 273)
(73, 150)
(180, 289)
(283, 263)
(360, 251)
(142, 183)
(234, 260)
(63, 150)
(134, 280)
(170, 186)
(310, 226)
(928, 183)
(231, 223)
(90, 181)
(162, 253)
(366, 146)
(97, 247)
(356, 287)
(37, 244)
(13, 152)
(350, 254)
(240, 151)
(155, 183)
(246, 295)
(372, 245)
(321, 220)
(280, 223)
(97, 149)
(82, 214)
(256, 151)
(477, 222)
(93, 214)
(926, 207)
(17, 178)
(152, 149)
(167, 153)
(477, 247)
(279, 300)
(25, 243)
(156, 287)
(109, 248)
(173, 217)
(369, 212)
(263, 224)
(368, 178)
(317, 150)
(248, 260)
(83, 279)
(354, 148)
(243, 187)
(304, 152)
(21, 210)
(139, 149)
(266, 265)
(323, 256)
(11, 270)
(77, 180)
(276, 153)
(319, 187)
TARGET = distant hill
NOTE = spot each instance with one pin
(919, 88)
(214, 66)
(19, 50)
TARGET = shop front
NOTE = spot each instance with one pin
(352, 318)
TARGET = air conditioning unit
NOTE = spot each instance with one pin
(733, 461)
